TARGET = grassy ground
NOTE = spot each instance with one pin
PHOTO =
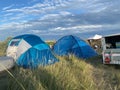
(70, 73)
(50, 43)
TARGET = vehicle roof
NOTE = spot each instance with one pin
(111, 35)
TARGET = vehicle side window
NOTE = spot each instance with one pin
(117, 44)
(112, 42)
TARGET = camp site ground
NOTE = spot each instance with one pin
(111, 49)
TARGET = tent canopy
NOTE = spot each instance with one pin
(73, 45)
(95, 37)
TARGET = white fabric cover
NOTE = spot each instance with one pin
(96, 37)
(22, 47)
(11, 51)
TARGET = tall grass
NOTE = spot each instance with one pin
(68, 74)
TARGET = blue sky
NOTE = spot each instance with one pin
(52, 19)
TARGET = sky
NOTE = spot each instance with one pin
(52, 19)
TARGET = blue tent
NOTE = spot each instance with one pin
(30, 51)
(73, 45)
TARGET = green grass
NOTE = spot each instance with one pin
(3, 46)
(70, 73)
(50, 43)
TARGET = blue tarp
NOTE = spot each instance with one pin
(73, 45)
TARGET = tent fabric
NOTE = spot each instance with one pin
(22, 47)
(32, 51)
(95, 37)
(29, 39)
(34, 57)
(73, 45)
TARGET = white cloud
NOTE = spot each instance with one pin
(36, 31)
(8, 7)
(35, 9)
(65, 13)
(8, 14)
(48, 16)
(14, 26)
(83, 27)
(45, 7)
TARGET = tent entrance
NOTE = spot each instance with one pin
(14, 42)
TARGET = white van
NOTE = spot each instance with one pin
(111, 49)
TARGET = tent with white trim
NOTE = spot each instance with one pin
(30, 51)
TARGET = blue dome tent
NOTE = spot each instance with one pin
(30, 51)
(73, 45)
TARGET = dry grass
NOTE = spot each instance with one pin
(68, 74)
(3, 46)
